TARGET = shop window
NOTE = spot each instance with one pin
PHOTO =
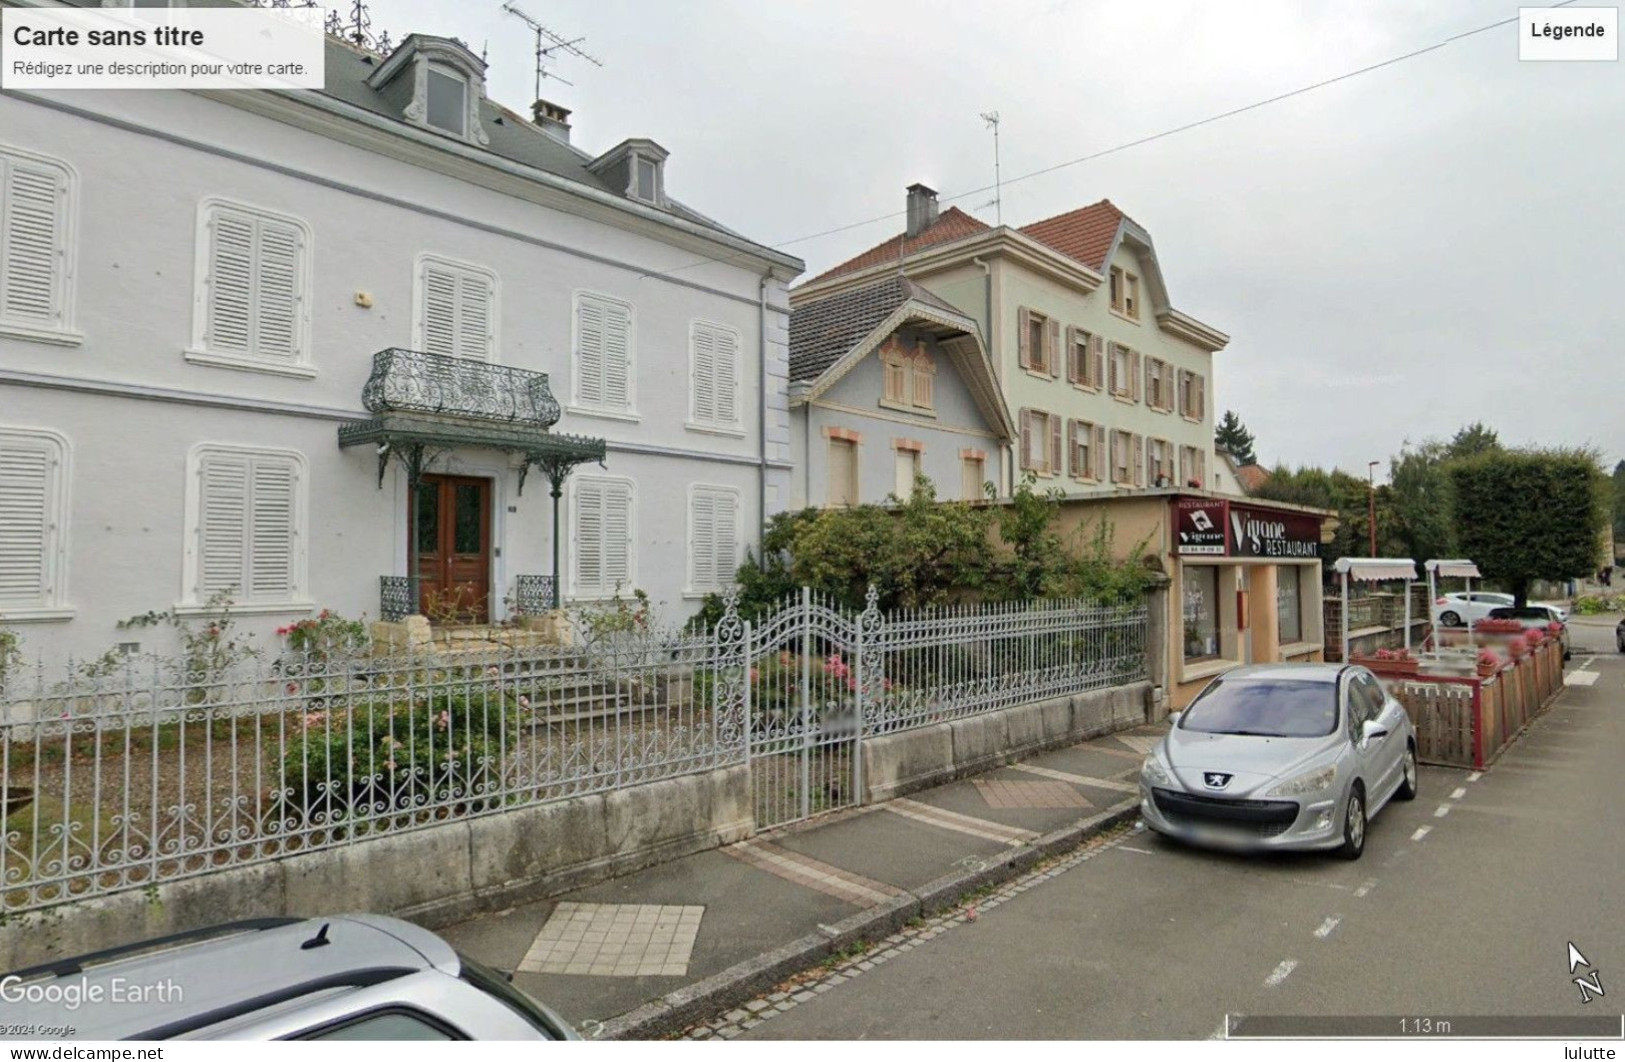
(1200, 608)
(1289, 603)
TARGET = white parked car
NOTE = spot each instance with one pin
(1462, 609)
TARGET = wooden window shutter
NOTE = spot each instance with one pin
(277, 296)
(271, 542)
(33, 243)
(1071, 447)
(1097, 454)
(1052, 347)
(589, 351)
(1054, 463)
(617, 536)
(229, 326)
(223, 524)
(25, 522)
(1023, 337)
(1074, 367)
(588, 534)
(702, 546)
(726, 349)
(1201, 397)
(703, 381)
(1136, 375)
(617, 356)
(1138, 461)
(1026, 439)
(438, 316)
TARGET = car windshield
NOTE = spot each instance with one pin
(1264, 707)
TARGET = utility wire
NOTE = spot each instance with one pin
(1128, 144)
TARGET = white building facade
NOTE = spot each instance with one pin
(193, 290)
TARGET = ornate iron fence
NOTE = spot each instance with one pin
(397, 596)
(119, 775)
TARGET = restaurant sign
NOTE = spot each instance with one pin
(1271, 533)
(1213, 527)
(1199, 527)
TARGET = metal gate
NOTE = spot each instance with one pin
(803, 709)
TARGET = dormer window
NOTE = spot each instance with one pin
(634, 168)
(447, 104)
(438, 84)
(648, 180)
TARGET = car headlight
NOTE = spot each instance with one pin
(1153, 773)
(1313, 782)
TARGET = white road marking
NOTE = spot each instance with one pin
(1223, 1031)
(1460, 792)
(1141, 851)
(1327, 926)
(1365, 887)
(1281, 973)
(1588, 661)
(1475, 776)
(1581, 678)
(1077, 779)
(1421, 833)
(1441, 811)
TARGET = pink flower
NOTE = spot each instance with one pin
(785, 658)
(314, 719)
(293, 687)
(492, 672)
(443, 720)
(524, 702)
(755, 674)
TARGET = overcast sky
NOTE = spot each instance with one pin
(1432, 243)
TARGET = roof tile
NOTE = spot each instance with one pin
(1084, 234)
(951, 224)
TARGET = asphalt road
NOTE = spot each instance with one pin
(1464, 904)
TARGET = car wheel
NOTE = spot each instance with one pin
(1354, 825)
(1449, 619)
(1408, 785)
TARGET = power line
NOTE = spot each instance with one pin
(1128, 144)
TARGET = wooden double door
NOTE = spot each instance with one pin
(454, 548)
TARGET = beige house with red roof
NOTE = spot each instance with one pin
(1108, 382)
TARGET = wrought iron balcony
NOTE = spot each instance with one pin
(411, 381)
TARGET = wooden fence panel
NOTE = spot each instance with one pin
(1443, 716)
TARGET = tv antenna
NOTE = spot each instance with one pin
(997, 202)
(548, 45)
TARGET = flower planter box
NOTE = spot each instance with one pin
(1381, 666)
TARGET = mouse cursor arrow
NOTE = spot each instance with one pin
(1576, 960)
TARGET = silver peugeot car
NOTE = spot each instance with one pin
(1281, 756)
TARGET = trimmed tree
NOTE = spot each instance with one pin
(1530, 514)
(1232, 435)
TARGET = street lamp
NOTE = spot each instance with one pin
(1371, 502)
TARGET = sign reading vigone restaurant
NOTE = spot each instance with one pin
(1199, 527)
(1272, 533)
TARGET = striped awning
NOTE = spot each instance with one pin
(1455, 569)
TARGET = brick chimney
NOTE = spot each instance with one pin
(552, 119)
(922, 208)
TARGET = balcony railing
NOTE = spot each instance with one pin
(411, 381)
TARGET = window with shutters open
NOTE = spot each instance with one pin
(602, 553)
(36, 247)
(33, 524)
(603, 361)
(713, 538)
(246, 518)
(456, 309)
(713, 352)
(253, 291)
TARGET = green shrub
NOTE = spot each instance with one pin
(444, 746)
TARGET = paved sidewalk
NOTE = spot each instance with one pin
(701, 931)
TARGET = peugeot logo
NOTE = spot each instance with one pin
(1216, 780)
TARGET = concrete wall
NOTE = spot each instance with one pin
(139, 185)
(926, 756)
(434, 876)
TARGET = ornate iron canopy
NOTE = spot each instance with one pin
(427, 403)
